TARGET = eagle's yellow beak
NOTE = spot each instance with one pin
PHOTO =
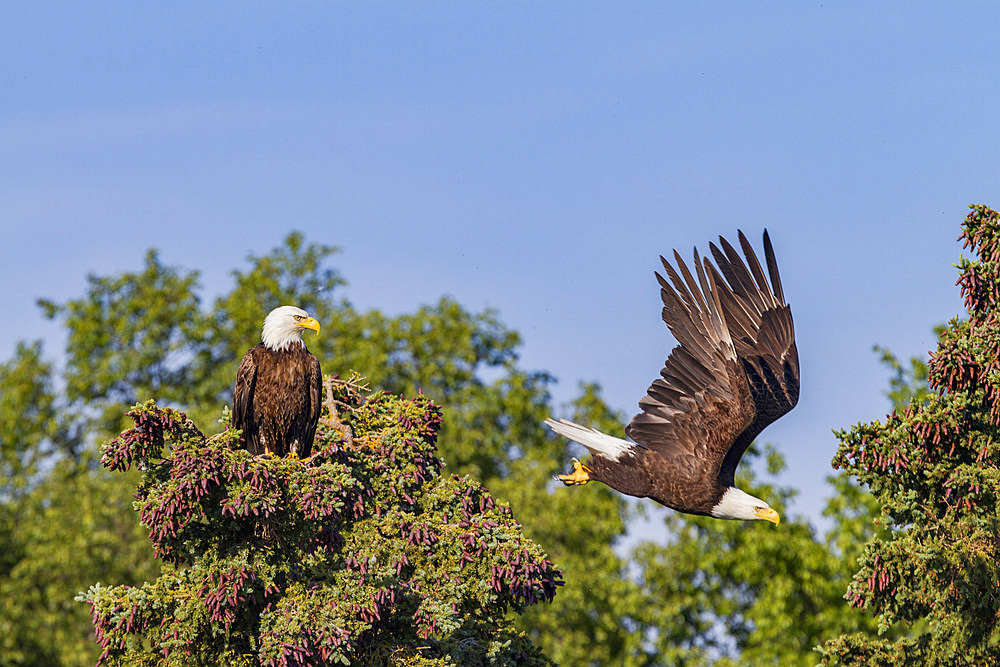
(309, 323)
(768, 514)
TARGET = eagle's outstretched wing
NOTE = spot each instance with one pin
(694, 412)
(760, 325)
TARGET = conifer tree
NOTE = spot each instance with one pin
(934, 467)
(367, 554)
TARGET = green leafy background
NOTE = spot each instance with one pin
(711, 593)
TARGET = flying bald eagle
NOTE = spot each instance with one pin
(279, 387)
(735, 371)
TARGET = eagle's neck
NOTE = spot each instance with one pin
(279, 339)
(737, 504)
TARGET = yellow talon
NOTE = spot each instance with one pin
(580, 475)
(294, 456)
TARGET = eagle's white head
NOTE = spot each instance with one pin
(737, 504)
(284, 327)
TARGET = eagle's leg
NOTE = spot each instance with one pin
(580, 475)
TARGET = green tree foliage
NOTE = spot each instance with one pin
(934, 467)
(366, 555)
(715, 593)
(27, 419)
(492, 426)
(728, 593)
(593, 620)
(60, 525)
(131, 335)
(908, 383)
(853, 509)
(75, 527)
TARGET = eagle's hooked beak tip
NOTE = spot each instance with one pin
(768, 514)
(310, 323)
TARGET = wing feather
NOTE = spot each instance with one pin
(772, 268)
(315, 402)
(243, 407)
(701, 402)
(758, 274)
(760, 324)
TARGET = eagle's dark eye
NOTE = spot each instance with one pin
(297, 317)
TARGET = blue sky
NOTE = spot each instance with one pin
(532, 157)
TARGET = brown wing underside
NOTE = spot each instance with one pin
(701, 402)
(760, 324)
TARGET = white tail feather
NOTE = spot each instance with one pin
(599, 444)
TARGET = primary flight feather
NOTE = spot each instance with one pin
(735, 371)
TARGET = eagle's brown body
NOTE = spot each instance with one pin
(682, 482)
(276, 400)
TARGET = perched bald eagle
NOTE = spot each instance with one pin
(279, 387)
(735, 371)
